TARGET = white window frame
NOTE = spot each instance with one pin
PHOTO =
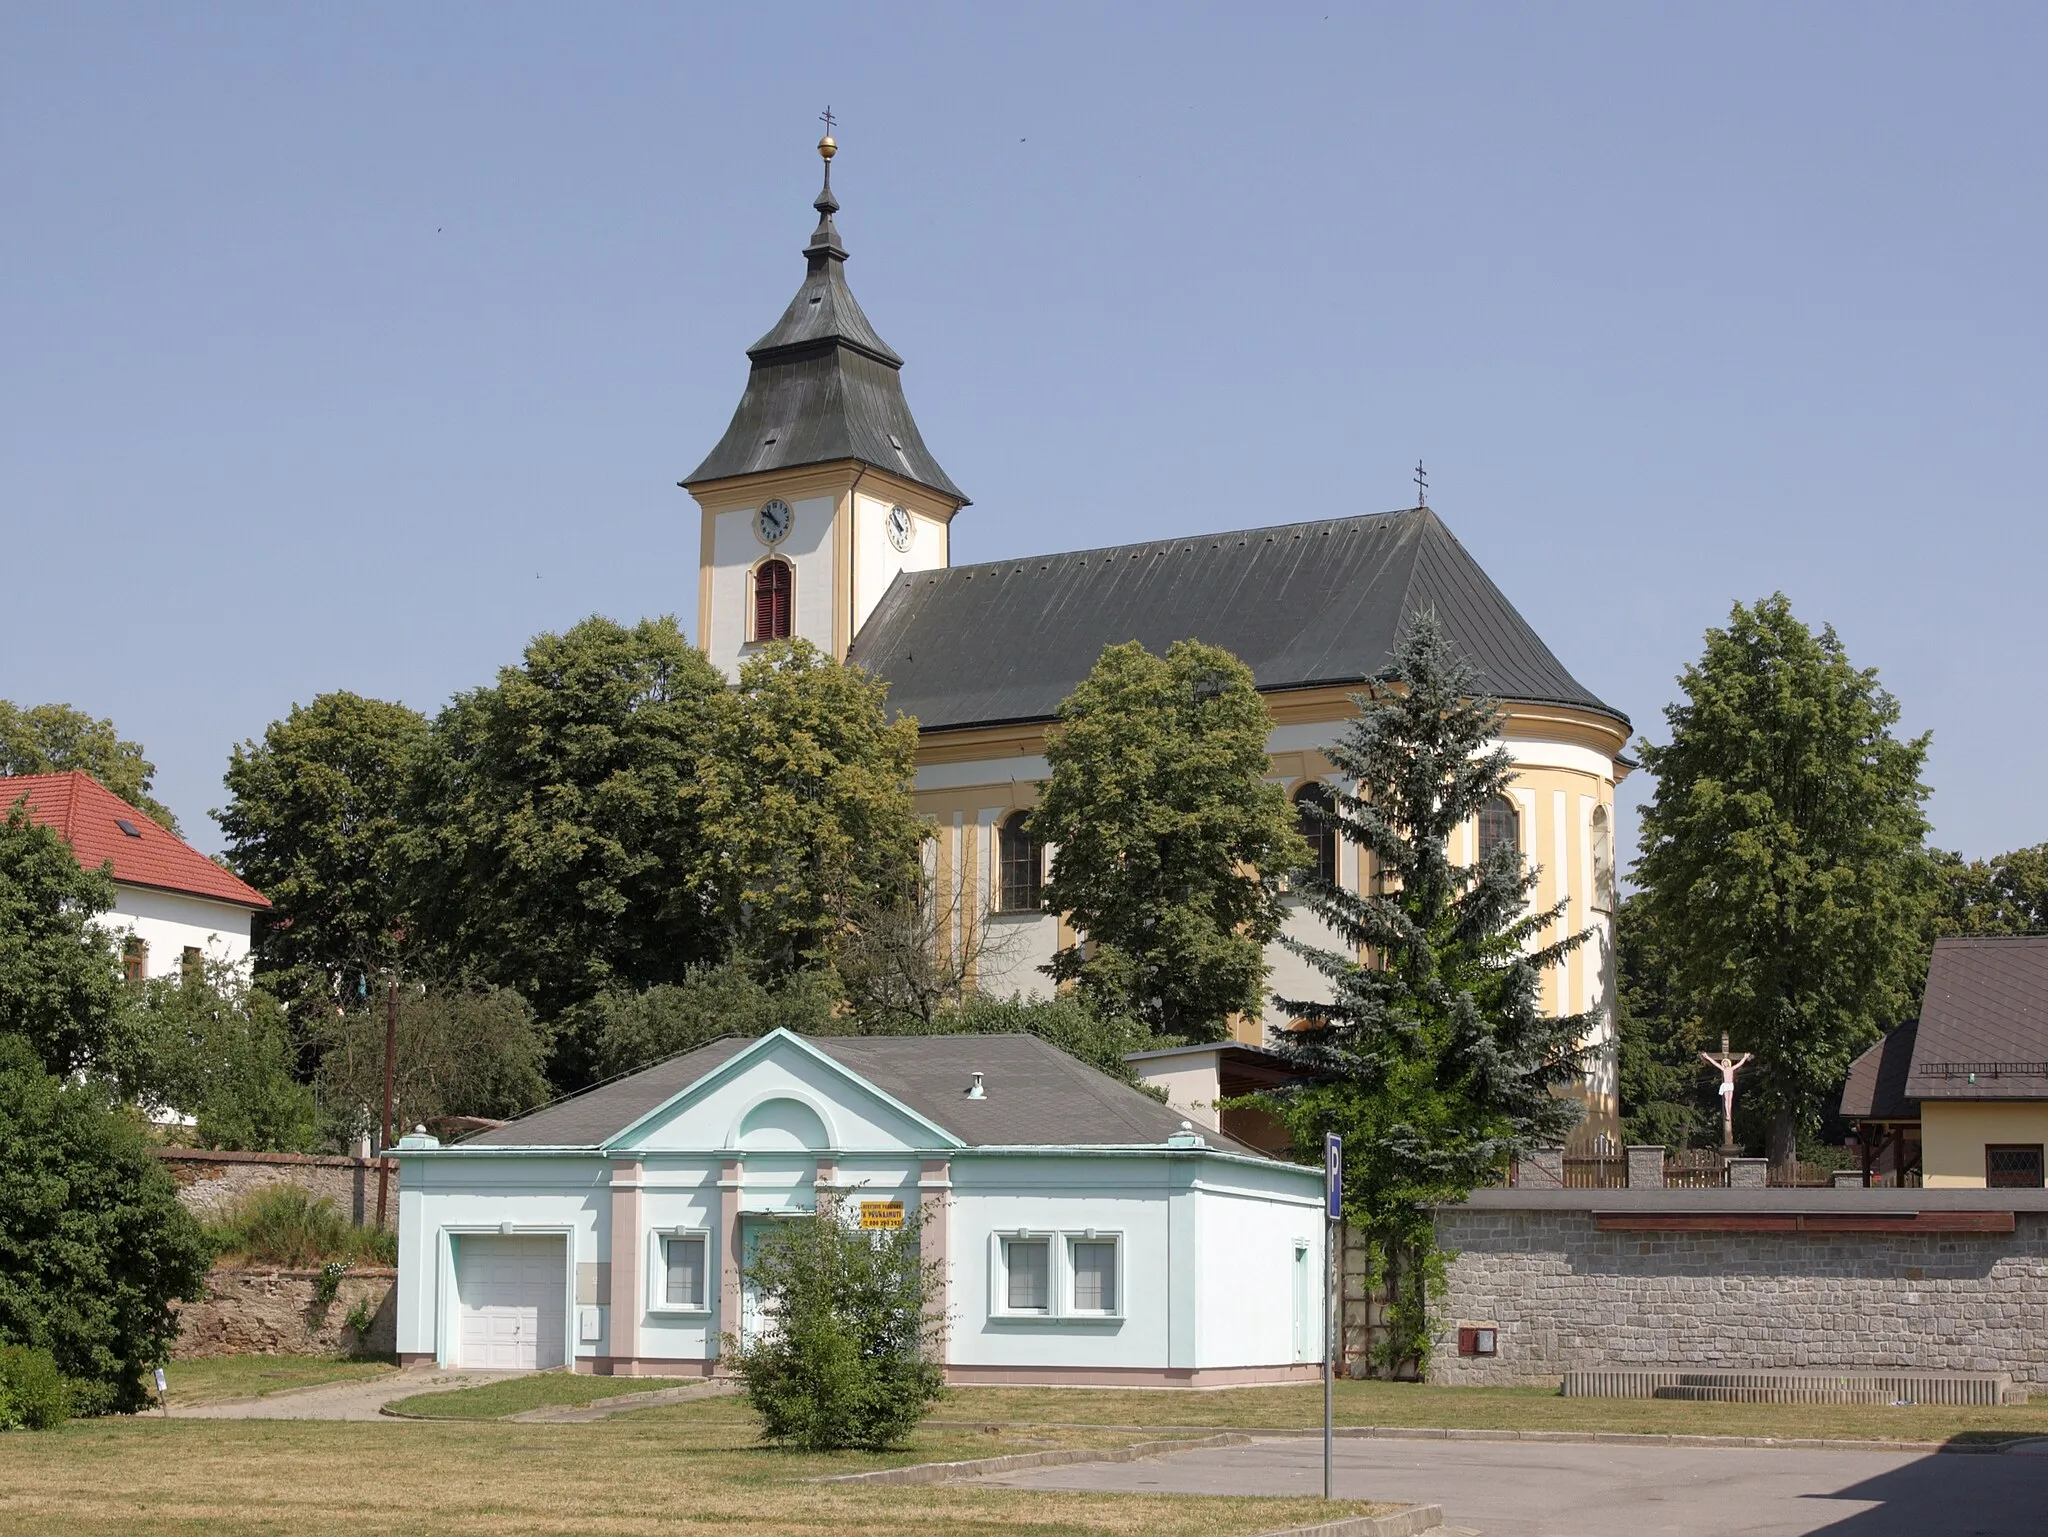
(657, 1272)
(1059, 1242)
(1070, 1272)
(999, 1273)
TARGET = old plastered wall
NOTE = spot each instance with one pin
(209, 1182)
(1565, 1295)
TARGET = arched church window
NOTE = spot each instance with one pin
(772, 584)
(1314, 807)
(1603, 862)
(1020, 866)
(1499, 823)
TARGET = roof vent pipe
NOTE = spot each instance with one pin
(975, 1090)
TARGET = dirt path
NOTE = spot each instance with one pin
(625, 1403)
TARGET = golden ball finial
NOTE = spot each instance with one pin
(828, 147)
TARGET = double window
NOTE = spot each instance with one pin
(1020, 866)
(1059, 1275)
(135, 959)
(2012, 1165)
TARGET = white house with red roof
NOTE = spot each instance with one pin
(173, 907)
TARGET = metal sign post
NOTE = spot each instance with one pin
(1333, 1249)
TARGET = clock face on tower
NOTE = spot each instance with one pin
(772, 521)
(899, 528)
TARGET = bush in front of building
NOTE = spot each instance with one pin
(33, 1393)
(846, 1354)
(94, 1246)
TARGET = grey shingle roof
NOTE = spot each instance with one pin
(1875, 1089)
(824, 386)
(1302, 604)
(1037, 1095)
(1985, 1012)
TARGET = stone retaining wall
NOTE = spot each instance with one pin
(210, 1182)
(277, 1312)
(1567, 1292)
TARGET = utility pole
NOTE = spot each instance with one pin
(1333, 1298)
(384, 1136)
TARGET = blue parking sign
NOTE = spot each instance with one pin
(1333, 1175)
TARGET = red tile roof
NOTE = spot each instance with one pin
(86, 814)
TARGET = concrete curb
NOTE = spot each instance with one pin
(1565, 1437)
(1017, 1462)
(1399, 1523)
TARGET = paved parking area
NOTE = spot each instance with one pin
(1519, 1489)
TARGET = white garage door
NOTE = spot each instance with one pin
(509, 1299)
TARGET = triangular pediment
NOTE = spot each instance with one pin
(781, 1095)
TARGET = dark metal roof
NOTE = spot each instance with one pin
(1302, 604)
(824, 385)
(1985, 1014)
(1037, 1095)
(1875, 1089)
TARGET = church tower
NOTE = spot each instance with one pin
(821, 492)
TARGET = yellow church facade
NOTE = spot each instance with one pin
(825, 516)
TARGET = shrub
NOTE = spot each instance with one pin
(848, 1356)
(361, 1318)
(93, 1243)
(33, 1392)
(280, 1224)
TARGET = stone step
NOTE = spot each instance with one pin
(1796, 1387)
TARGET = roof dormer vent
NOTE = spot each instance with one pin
(975, 1090)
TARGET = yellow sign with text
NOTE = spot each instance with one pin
(887, 1215)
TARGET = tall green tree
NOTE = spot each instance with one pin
(55, 739)
(1431, 1057)
(557, 841)
(94, 1246)
(461, 1051)
(2005, 894)
(1781, 866)
(315, 822)
(1172, 845)
(60, 973)
(219, 1048)
(805, 800)
(1666, 1097)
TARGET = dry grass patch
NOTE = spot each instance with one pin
(1419, 1404)
(218, 1378)
(687, 1468)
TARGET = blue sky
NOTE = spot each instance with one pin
(347, 347)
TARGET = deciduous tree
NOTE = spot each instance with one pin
(55, 739)
(315, 822)
(94, 1246)
(1171, 844)
(557, 838)
(1781, 866)
(806, 805)
(60, 973)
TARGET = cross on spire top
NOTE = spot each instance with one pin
(1421, 485)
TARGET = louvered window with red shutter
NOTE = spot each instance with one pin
(771, 600)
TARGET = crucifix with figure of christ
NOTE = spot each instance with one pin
(1729, 1065)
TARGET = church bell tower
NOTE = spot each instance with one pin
(822, 492)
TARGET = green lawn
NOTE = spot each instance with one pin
(221, 1377)
(690, 1468)
(543, 1390)
(1417, 1404)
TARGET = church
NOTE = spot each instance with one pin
(826, 516)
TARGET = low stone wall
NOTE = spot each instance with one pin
(277, 1312)
(210, 1182)
(1813, 1280)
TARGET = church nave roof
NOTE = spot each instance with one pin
(1302, 604)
